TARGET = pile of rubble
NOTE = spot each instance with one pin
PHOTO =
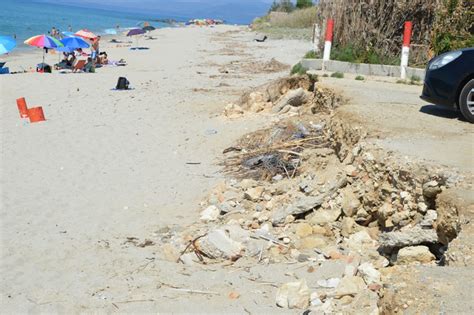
(344, 206)
(296, 95)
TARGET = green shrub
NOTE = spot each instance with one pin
(338, 75)
(301, 4)
(325, 75)
(282, 6)
(415, 78)
(312, 55)
(353, 54)
(359, 78)
(298, 69)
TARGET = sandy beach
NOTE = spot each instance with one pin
(107, 165)
(125, 201)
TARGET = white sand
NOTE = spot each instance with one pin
(107, 165)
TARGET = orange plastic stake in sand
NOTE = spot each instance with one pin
(36, 114)
(22, 108)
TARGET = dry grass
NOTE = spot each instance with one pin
(276, 150)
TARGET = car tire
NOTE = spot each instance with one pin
(466, 101)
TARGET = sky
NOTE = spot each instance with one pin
(235, 11)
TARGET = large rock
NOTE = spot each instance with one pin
(302, 205)
(414, 254)
(293, 98)
(307, 203)
(293, 295)
(218, 244)
(409, 237)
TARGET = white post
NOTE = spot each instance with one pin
(405, 50)
(328, 40)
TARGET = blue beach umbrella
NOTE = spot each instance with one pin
(7, 44)
(74, 42)
(68, 34)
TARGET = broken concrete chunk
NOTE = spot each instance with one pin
(293, 98)
(254, 194)
(293, 295)
(303, 205)
(410, 237)
(323, 217)
(217, 244)
(431, 189)
(211, 213)
(350, 286)
(414, 254)
(369, 273)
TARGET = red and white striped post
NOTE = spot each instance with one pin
(405, 49)
(328, 40)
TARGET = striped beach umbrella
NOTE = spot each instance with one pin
(43, 41)
(86, 34)
(7, 44)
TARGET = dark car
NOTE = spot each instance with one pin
(449, 81)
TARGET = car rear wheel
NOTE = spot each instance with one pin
(466, 101)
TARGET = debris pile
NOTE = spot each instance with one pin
(311, 190)
(295, 95)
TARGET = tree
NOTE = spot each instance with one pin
(301, 4)
(282, 6)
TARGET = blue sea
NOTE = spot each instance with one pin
(25, 18)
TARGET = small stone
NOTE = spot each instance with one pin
(429, 219)
(286, 240)
(329, 283)
(347, 226)
(312, 243)
(254, 194)
(247, 184)
(319, 230)
(304, 229)
(293, 295)
(369, 273)
(211, 213)
(405, 195)
(350, 286)
(431, 189)
(351, 170)
(422, 207)
(323, 217)
(414, 254)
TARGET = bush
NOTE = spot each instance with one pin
(304, 18)
(338, 75)
(298, 69)
(282, 6)
(301, 4)
(353, 54)
(312, 55)
(359, 78)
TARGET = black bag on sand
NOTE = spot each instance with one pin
(122, 84)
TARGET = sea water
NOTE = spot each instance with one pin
(25, 18)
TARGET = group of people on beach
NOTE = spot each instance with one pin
(93, 60)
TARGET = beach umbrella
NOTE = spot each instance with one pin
(135, 31)
(74, 42)
(86, 34)
(149, 28)
(44, 41)
(68, 34)
(7, 44)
